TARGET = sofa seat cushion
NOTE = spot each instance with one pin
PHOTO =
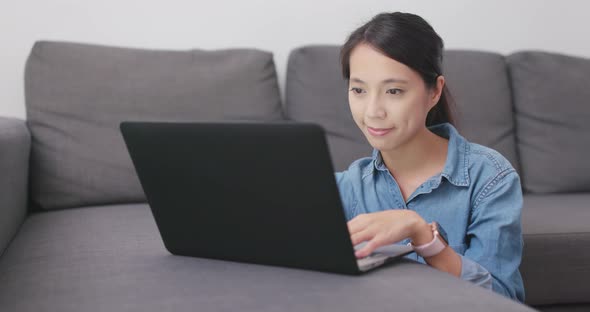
(584, 307)
(556, 248)
(77, 95)
(111, 258)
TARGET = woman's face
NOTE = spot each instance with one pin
(389, 101)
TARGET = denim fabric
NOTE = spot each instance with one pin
(477, 199)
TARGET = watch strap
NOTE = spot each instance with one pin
(432, 248)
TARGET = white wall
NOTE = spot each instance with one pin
(278, 26)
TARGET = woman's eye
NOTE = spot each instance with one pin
(395, 91)
(356, 90)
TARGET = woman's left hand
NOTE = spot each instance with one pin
(387, 227)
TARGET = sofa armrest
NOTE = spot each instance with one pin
(15, 144)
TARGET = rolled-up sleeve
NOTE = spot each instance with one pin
(475, 273)
(494, 237)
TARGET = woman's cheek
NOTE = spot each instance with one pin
(357, 111)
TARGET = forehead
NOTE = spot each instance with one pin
(371, 65)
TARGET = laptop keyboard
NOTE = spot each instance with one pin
(370, 260)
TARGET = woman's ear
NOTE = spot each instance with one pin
(437, 91)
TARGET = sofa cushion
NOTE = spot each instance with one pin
(556, 254)
(316, 92)
(111, 258)
(551, 97)
(564, 308)
(76, 96)
(479, 84)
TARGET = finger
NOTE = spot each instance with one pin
(361, 236)
(358, 223)
(369, 247)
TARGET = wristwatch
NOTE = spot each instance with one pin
(436, 245)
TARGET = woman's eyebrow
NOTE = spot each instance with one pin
(394, 80)
(386, 81)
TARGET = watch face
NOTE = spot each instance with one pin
(442, 232)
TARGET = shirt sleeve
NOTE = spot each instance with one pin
(475, 273)
(494, 237)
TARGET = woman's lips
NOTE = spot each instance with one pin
(379, 131)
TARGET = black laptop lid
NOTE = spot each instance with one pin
(252, 192)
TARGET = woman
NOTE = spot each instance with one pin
(457, 203)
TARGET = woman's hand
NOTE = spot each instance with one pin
(387, 227)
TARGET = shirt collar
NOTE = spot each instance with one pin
(457, 163)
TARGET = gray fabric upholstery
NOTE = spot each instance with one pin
(76, 96)
(551, 97)
(556, 213)
(112, 259)
(556, 254)
(564, 308)
(316, 92)
(15, 142)
(478, 82)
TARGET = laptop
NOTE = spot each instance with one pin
(253, 192)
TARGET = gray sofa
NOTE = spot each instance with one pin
(77, 235)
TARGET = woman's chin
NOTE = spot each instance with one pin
(381, 145)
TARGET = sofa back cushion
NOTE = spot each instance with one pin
(552, 103)
(480, 86)
(77, 94)
(316, 92)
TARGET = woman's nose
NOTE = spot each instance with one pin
(375, 109)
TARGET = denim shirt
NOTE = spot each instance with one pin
(477, 199)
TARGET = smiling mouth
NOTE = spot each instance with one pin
(378, 131)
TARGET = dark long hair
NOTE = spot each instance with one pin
(410, 40)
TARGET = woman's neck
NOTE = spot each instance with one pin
(424, 154)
